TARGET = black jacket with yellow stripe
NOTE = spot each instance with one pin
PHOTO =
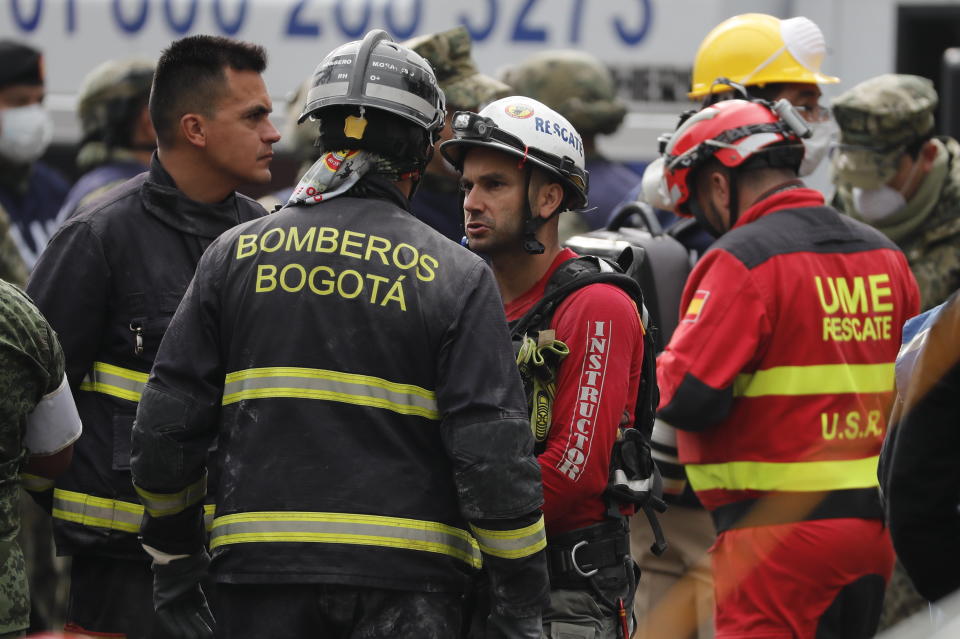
(356, 367)
(109, 282)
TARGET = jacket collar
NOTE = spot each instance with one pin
(163, 200)
(378, 187)
(790, 198)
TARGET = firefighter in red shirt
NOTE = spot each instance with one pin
(780, 377)
(522, 164)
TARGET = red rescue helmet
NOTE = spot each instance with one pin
(740, 134)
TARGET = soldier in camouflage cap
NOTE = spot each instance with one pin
(466, 89)
(893, 173)
(118, 136)
(34, 438)
(581, 89)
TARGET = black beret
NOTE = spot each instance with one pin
(19, 64)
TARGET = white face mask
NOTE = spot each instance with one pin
(25, 133)
(876, 204)
(815, 148)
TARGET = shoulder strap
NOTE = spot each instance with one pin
(573, 275)
(578, 272)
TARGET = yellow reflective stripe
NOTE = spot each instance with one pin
(98, 512)
(208, 513)
(826, 379)
(785, 476)
(36, 483)
(165, 504)
(512, 544)
(343, 528)
(313, 383)
(115, 381)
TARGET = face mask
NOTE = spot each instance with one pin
(876, 204)
(25, 133)
(825, 135)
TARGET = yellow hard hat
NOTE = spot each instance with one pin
(754, 49)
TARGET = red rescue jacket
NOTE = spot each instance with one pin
(596, 393)
(781, 370)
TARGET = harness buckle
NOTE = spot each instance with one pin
(576, 566)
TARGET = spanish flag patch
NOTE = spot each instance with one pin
(696, 306)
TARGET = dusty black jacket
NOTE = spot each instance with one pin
(109, 282)
(920, 464)
(372, 427)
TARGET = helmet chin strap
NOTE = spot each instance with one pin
(531, 223)
(700, 214)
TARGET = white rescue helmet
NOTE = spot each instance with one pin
(530, 131)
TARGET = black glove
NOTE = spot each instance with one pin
(503, 627)
(181, 607)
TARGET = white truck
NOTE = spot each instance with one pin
(649, 44)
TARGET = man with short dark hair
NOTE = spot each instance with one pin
(356, 370)
(109, 283)
(518, 176)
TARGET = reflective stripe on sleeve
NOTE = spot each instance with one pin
(791, 476)
(512, 544)
(827, 379)
(344, 528)
(97, 512)
(36, 483)
(209, 511)
(115, 381)
(165, 504)
(334, 386)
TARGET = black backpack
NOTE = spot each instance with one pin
(634, 477)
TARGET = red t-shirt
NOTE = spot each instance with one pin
(596, 392)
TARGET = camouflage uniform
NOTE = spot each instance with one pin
(581, 89)
(12, 267)
(878, 118)
(31, 365)
(437, 200)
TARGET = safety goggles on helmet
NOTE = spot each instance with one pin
(734, 132)
(471, 126)
(530, 131)
(814, 113)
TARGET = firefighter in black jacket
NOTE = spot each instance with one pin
(109, 282)
(356, 368)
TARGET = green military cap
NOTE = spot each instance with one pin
(878, 119)
(448, 52)
(111, 94)
(575, 84)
